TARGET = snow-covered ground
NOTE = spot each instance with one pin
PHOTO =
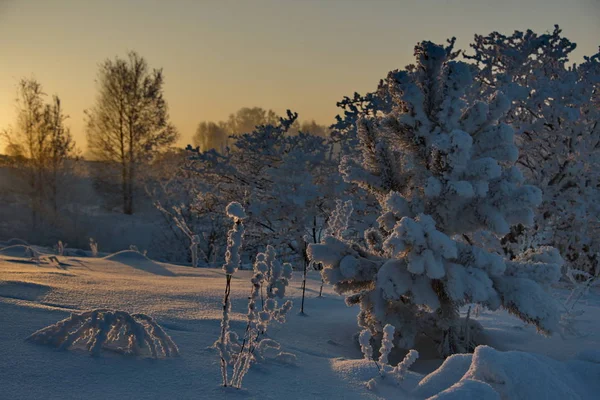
(186, 302)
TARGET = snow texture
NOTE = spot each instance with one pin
(328, 363)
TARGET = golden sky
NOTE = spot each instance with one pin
(221, 55)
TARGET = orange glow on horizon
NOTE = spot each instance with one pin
(219, 56)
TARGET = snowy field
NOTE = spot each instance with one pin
(187, 304)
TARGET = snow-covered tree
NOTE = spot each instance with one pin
(344, 135)
(555, 113)
(186, 198)
(442, 169)
(286, 182)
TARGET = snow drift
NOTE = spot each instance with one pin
(511, 375)
(139, 261)
(19, 250)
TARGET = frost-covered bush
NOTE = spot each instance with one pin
(232, 262)
(60, 248)
(269, 283)
(555, 113)
(102, 329)
(581, 282)
(191, 205)
(180, 222)
(442, 169)
(33, 255)
(387, 373)
(272, 277)
(94, 247)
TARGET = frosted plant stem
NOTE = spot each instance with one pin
(303, 286)
(224, 328)
(467, 330)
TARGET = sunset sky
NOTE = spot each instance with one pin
(219, 56)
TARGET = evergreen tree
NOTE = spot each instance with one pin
(442, 169)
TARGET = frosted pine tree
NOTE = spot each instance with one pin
(442, 170)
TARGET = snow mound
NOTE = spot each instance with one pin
(118, 331)
(14, 242)
(76, 253)
(520, 375)
(18, 250)
(23, 290)
(359, 372)
(139, 261)
(450, 372)
(511, 375)
(468, 389)
(592, 356)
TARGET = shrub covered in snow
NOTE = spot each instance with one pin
(555, 113)
(101, 329)
(270, 280)
(94, 247)
(386, 372)
(60, 248)
(442, 169)
(271, 277)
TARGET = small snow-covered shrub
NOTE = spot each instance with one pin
(102, 329)
(581, 282)
(134, 248)
(94, 247)
(60, 248)
(272, 277)
(180, 222)
(34, 255)
(269, 283)
(386, 371)
(232, 262)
